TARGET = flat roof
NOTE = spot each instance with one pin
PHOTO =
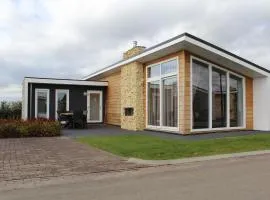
(187, 39)
(64, 81)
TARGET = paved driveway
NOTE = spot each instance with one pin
(36, 159)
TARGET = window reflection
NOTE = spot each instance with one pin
(236, 101)
(200, 88)
(154, 103)
(170, 105)
(219, 98)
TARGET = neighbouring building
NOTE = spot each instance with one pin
(184, 85)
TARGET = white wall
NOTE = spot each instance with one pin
(24, 99)
(261, 98)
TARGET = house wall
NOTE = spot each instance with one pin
(113, 99)
(261, 104)
(24, 100)
(185, 94)
(77, 99)
(249, 103)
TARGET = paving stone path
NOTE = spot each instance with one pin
(36, 159)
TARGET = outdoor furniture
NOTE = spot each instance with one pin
(66, 119)
(76, 119)
(79, 119)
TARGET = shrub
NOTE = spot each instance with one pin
(31, 128)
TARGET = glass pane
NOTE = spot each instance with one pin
(236, 101)
(200, 88)
(154, 103)
(169, 67)
(94, 107)
(41, 104)
(219, 98)
(154, 71)
(62, 102)
(170, 104)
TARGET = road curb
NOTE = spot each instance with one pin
(196, 159)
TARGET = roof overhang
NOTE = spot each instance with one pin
(195, 46)
(64, 81)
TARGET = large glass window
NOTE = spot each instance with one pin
(163, 94)
(236, 101)
(223, 105)
(62, 101)
(154, 71)
(42, 103)
(219, 98)
(169, 67)
(154, 103)
(170, 104)
(200, 88)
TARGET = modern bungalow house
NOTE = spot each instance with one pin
(184, 85)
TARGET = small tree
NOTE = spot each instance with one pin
(10, 110)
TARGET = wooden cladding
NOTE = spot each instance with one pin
(113, 99)
(184, 93)
(249, 103)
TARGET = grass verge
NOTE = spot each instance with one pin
(155, 148)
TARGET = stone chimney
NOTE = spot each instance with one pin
(135, 50)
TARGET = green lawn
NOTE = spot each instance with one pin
(155, 148)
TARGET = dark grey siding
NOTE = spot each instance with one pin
(77, 100)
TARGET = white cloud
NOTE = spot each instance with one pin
(10, 92)
(71, 38)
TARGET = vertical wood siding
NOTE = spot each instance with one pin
(113, 99)
(249, 103)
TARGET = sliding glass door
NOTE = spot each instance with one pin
(236, 101)
(219, 98)
(223, 107)
(200, 95)
(154, 103)
(94, 106)
(170, 104)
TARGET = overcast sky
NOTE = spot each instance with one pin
(72, 38)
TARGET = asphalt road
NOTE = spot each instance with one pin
(242, 178)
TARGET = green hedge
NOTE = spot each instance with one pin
(33, 128)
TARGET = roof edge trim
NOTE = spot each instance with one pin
(64, 81)
(189, 38)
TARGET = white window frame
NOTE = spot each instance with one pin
(48, 101)
(160, 79)
(56, 100)
(228, 72)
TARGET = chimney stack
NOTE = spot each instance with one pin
(135, 43)
(135, 50)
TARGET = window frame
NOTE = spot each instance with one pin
(56, 100)
(228, 72)
(48, 101)
(160, 78)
